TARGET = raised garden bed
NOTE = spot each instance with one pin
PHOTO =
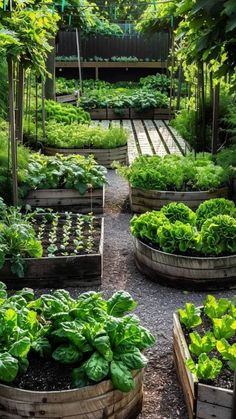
(186, 272)
(109, 113)
(145, 200)
(103, 156)
(203, 401)
(91, 201)
(55, 270)
(98, 401)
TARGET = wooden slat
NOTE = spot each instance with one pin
(183, 144)
(142, 138)
(215, 395)
(132, 147)
(211, 411)
(167, 138)
(155, 138)
(116, 123)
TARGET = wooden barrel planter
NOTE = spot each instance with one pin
(93, 402)
(91, 201)
(186, 272)
(146, 200)
(203, 401)
(84, 270)
(103, 156)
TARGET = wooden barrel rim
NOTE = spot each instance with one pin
(87, 149)
(153, 191)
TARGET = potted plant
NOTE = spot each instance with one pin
(188, 250)
(76, 357)
(154, 181)
(50, 249)
(204, 354)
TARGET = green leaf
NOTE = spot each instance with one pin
(8, 367)
(191, 316)
(121, 376)
(200, 344)
(79, 378)
(216, 309)
(67, 354)
(131, 357)
(206, 368)
(20, 348)
(97, 368)
(42, 346)
(103, 346)
(120, 303)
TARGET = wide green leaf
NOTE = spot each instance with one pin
(8, 367)
(121, 376)
(97, 368)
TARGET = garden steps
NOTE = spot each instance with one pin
(149, 137)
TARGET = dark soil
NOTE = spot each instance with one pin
(73, 236)
(163, 397)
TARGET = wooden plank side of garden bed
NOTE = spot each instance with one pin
(211, 411)
(215, 395)
(91, 201)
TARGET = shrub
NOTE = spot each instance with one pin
(213, 207)
(65, 113)
(218, 235)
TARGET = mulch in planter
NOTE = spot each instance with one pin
(226, 377)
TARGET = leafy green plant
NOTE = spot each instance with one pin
(218, 235)
(96, 336)
(213, 207)
(146, 226)
(65, 113)
(202, 344)
(17, 239)
(206, 369)
(228, 352)
(224, 328)
(174, 173)
(177, 237)
(82, 136)
(191, 316)
(177, 211)
(216, 308)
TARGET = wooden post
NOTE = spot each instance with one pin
(79, 59)
(12, 132)
(50, 88)
(215, 125)
(20, 104)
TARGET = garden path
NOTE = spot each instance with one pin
(149, 137)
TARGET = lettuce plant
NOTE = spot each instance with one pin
(218, 235)
(202, 344)
(225, 327)
(177, 211)
(99, 338)
(191, 316)
(206, 368)
(216, 308)
(228, 352)
(212, 207)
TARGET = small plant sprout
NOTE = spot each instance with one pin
(52, 248)
(79, 240)
(66, 234)
(90, 239)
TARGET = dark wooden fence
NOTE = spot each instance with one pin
(155, 47)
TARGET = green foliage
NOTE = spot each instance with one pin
(65, 113)
(213, 207)
(206, 369)
(216, 309)
(158, 82)
(3, 87)
(17, 239)
(177, 211)
(82, 136)
(146, 226)
(224, 327)
(173, 229)
(200, 344)
(227, 159)
(218, 235)
(177, 237)
(92, 334)
(191, 316)
(175, 173)
(185, 123)
(228, 352)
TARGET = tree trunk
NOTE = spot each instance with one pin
(50, 88)
(216, 111)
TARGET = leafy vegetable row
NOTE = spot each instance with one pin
(177, 229)
(219, 339)
(94, 335)
(175, 173)
(83, 136)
